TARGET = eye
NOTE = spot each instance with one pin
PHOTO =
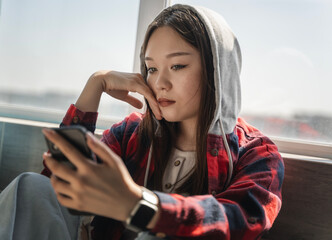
(151, 70)
(178, 67)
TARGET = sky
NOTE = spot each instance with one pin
(56, 45)
(49, 44)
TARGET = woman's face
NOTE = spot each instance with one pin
(174, 75)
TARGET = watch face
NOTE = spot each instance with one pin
(143, 212)
(150, 197)
(143, 216)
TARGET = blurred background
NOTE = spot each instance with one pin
(48, 50)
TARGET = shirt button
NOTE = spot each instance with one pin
(160, 235)
(168, 185)
(214, 152)
(75, 119)
(252, 220)
(214, 193)
(177, 163)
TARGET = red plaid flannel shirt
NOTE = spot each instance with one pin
(245, 210)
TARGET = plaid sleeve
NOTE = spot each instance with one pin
(74, 116)
(245, 210)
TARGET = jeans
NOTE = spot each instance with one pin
(29, 209)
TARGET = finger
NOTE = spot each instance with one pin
(155, 110)
(59, 169)
(123, 95)
(65, 201)
(102, 150)
(71, 203)
(61, 187)
(74, 155)
(133, 101)
(148, 94)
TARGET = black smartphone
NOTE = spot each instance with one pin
(75, 135)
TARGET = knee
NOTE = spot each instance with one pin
(33, 182)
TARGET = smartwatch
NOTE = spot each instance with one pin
(143, 211)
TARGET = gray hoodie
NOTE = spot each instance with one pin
(227, 67)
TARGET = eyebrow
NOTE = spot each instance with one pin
(175, 54)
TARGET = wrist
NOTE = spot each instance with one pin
(134, 197)
(96, 81)
(145, 212)
(89, 99)
(104, 79)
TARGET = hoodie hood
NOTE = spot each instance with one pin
(227, 67)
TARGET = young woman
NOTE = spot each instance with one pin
(210, 174)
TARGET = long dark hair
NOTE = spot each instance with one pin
(188, 25)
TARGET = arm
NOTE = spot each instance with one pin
(112, 169)
(246, 208)
(117, 85)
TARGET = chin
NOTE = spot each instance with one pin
(171, 118)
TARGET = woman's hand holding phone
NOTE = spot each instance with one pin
(105, 189)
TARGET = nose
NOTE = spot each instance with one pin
(162, 81)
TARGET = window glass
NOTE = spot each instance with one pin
(286, 70)
(49, 49)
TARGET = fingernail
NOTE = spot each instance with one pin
(47, 154)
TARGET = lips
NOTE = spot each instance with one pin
(164, 102)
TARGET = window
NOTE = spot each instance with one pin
(49, 49)
(287, 53)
